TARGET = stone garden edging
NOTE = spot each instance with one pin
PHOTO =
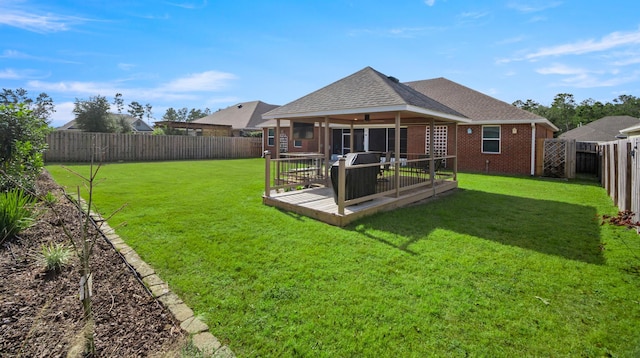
(199, 331)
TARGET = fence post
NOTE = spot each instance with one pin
(342, 181)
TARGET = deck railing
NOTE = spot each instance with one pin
(293, 172)
(355, 184)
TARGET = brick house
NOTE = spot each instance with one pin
(490, 135)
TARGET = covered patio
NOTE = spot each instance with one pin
(341, 189)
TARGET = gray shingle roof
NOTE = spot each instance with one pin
(136, 124)
(246, 115)
(473, 104)
(602, 130)
(364, 89)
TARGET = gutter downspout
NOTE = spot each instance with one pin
(533, 149)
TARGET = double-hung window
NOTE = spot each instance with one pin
(491, 139)
(271, 137)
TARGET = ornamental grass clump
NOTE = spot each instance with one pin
(54, 256)
(16, 213)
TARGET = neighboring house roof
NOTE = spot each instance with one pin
(475, 105)
(245, 115)
(602, 130)
(366, 91)
(632, 131)
(136, 124)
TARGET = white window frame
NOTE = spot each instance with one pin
(499, 139)
(297, 143)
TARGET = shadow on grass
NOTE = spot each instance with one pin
(555, 228)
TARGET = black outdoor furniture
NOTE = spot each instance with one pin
(359, 182)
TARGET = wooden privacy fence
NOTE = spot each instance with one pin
(559, 158)
(65, 146)
(621, 173)
(587, 158)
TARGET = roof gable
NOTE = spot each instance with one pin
(137, 125)
(473, 104)
(246, 115)
(365, 89)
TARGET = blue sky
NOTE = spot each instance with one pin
(188, 53)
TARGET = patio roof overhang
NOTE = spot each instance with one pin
(408, 114)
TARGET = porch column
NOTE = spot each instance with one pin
(327, 151)
(455, 152)
(351, 135)
(397, 150)
(277, 139)
(432, 154)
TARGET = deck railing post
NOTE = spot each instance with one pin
(342, 181)
(267, 173)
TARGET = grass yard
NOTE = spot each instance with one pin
(503, 267)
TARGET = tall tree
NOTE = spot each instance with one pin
(562, 110)
(182, 114)
(170, 115)
(195, 114)
(92, 115)
(627, 105)
(118, 102)
(136, 110)
(147, 112)
(42, 107)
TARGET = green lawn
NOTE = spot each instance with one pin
(503, 267)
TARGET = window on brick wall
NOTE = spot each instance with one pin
(491, 139)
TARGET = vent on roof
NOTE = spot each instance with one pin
(393, 79)
(239, 106)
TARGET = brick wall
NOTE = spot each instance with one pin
(515, 149)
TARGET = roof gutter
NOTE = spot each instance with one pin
(542, 121)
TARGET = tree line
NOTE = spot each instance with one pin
(96, 113)
(566, 114)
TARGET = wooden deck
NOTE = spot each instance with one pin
(319, 202)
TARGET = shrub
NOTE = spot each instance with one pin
(22, 144)
(16, 213)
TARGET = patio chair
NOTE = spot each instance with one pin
(386, 165)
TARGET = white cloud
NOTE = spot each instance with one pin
(197, 82)
(30, 20)
(189, 5)
(430, 2)
(63, 114)
(533, 6)
(583, 78)
(560, 69)
(9, 74)
(613, 40)
(13, 54)
(473, 15)
(126, 66)
(511, 40)
(181, 89)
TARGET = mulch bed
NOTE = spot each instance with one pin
(41, 314)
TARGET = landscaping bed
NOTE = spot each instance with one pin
(41, 314)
